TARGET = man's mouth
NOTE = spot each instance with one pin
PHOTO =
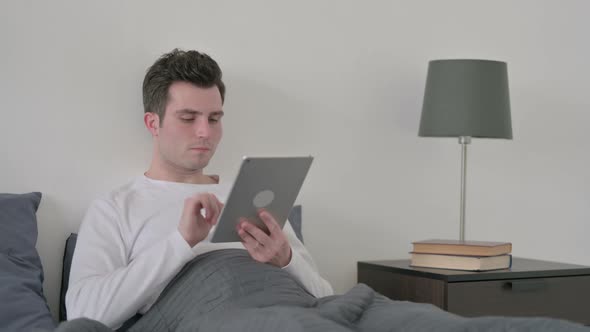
(199, 148)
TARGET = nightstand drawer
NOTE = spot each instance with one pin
(558, 297)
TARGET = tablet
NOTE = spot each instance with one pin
(271, 183)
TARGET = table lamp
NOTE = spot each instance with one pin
(466, 98)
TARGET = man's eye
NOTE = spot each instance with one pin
(187, 119)
(212, 120)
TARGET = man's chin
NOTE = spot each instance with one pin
(196, 166)
(197, 161)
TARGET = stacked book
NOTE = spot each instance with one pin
(462, 255)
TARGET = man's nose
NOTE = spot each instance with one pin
(203, 128)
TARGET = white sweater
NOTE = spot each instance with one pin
(129, 248)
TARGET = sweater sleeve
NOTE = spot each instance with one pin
(107, 286)
(304, 268)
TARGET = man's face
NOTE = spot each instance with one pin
(191, 128)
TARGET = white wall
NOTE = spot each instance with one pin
(342, 80)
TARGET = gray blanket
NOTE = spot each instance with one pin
(228, 291)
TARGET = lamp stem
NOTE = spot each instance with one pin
(463, 140)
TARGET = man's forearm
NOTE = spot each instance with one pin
(112, 297)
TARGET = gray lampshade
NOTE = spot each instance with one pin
(466, 98)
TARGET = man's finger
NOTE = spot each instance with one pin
(203, 209)
(270, 222)
(221, 205)
(192, 206)
(255, 232)
(207, 203)
(213, 206)
(250, 242)
(219, 209)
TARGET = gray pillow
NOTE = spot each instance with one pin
(23, 306)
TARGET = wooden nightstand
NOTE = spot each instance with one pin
(530, 288)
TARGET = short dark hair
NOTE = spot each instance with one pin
(178, 66)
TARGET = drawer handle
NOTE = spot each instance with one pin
(525, 285)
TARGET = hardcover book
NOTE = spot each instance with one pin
(466, 263)
(464, 248)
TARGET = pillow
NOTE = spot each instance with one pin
(23, 306)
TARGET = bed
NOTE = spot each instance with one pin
(235, 293)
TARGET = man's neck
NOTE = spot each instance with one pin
(196, 177)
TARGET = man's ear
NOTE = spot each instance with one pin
(152, 122)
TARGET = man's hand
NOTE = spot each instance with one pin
(272, 248)
(193, 227)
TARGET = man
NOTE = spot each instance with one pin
(134, 241)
